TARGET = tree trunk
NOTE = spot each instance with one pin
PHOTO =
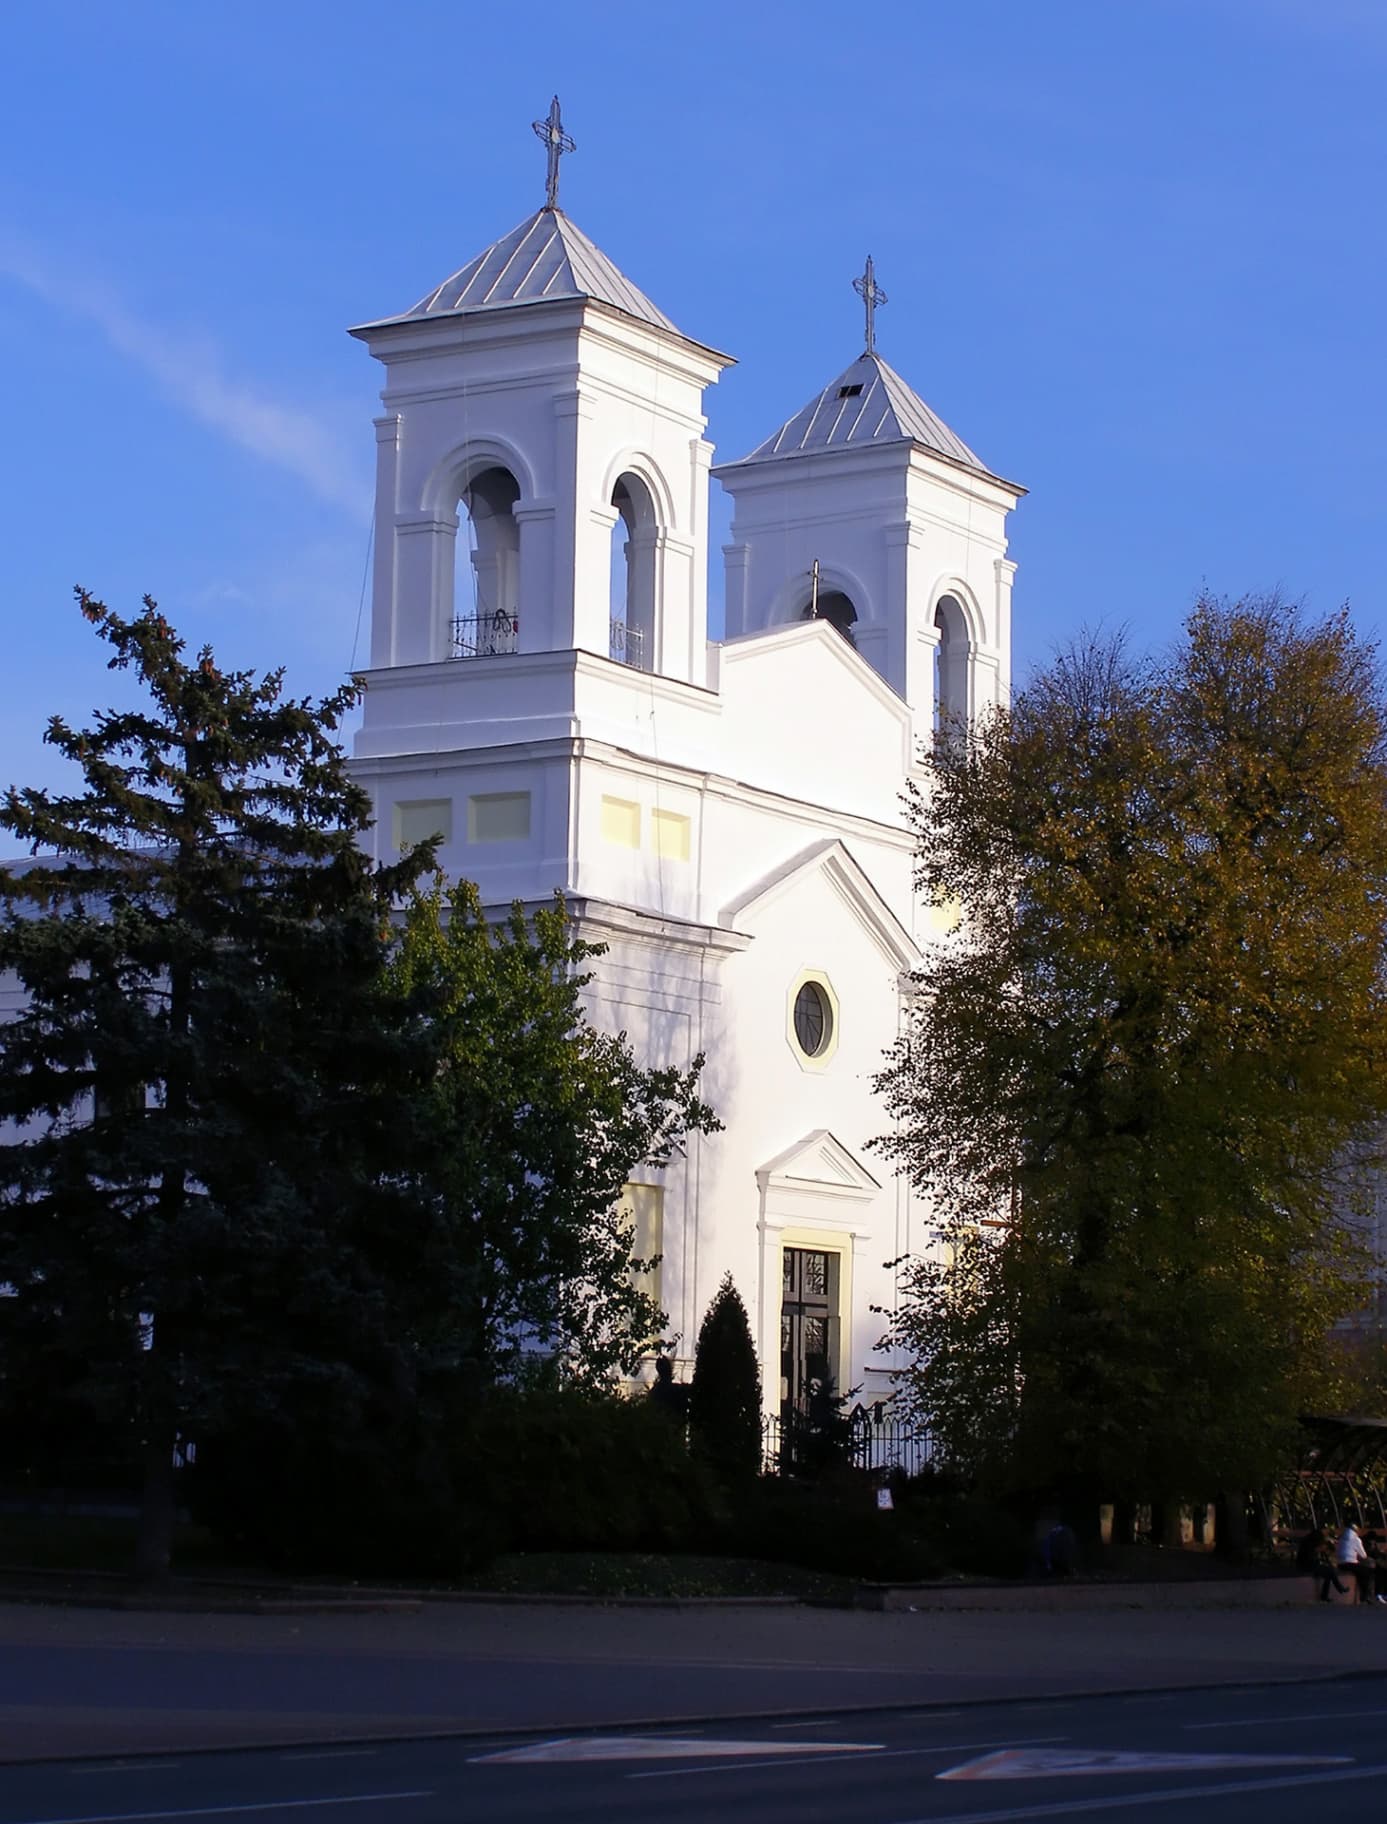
(1124, 1522)
(1232, 1533)
(154, 1545)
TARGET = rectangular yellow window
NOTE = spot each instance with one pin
(621, 822)
(643, 1210)
(416, 819)
(498, 817)
(669, 833)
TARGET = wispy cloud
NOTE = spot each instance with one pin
(1363, 20)
(192, 373)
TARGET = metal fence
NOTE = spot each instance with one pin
(875, 1439)
(483, 636)
(627, 644)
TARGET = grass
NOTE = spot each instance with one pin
(104, 1545)
(672, 1576)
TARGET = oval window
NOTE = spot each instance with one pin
(813, 1020)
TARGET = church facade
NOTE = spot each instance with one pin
(725, 816)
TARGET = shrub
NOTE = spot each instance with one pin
(832, 1527)
(440, 1489)
(725, 1396)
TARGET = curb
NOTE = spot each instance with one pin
(627, 1725)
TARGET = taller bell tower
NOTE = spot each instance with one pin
(535, 402)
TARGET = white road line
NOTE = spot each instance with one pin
(1068, 1808)
(818, 1760)
(125, 1767)
(327, 1754)
(1255, 1722)
(231, 1811)
(819, 1722)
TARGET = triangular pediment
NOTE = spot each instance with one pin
(821, 1162)
(836, 862)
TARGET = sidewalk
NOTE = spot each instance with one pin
(95, 1682)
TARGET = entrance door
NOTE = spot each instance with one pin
(808, 1325)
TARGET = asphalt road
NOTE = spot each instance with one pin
(79, 1681)
(1274, 1754)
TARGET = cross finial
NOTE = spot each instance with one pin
(871, 295)
(550, 130)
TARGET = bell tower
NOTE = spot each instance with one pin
(866, 510)
(543, 422)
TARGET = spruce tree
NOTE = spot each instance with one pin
(199, 1094)
(725, 1396)
(528, 1129)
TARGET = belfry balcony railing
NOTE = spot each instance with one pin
(627, 645)
(483, 636)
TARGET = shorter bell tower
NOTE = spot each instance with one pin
(866, 510)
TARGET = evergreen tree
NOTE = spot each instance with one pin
(725, 1394)
(527, 1131)
(1139, 1079)
(200, 1093)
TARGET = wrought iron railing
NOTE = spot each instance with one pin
(483, 636)
(874, 1439)
(627, 645)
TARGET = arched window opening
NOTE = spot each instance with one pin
(835, 608)
(487, 598)
(952, 657)
(634, 544)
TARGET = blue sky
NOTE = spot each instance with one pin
(1134, 252)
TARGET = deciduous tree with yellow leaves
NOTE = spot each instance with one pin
(1139, 1081)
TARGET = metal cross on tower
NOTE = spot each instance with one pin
(550, 130)
(871, 295)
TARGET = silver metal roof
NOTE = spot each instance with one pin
(867, 403)
(547, 256)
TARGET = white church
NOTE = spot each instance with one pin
(725, 816)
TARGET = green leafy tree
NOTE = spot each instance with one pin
(725, 1394)
(200, 1092)
(1139, 1078)
(526, 1134)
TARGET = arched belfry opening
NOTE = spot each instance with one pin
(953, 655)
(635, 546)
(833, 606)
(486, 597)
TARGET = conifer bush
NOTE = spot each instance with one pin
(725, 1396)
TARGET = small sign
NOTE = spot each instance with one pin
(884, 1501)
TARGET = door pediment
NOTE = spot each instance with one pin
(819, 1165)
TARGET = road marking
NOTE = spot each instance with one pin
(1068, 1808)
(819, 1722)
(660, 1748)
(1253, 1722)
(125, 1767)
(233, 1811)
(1064, 1763)
(880, 1754)
(327, 1754)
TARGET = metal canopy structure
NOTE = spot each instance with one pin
(1341, 1475)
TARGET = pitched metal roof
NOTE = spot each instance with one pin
(547, 256)
(867, 403)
